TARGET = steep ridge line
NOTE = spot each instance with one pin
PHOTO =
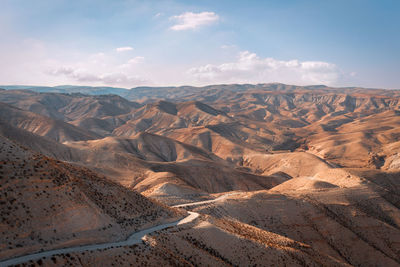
(133, 239)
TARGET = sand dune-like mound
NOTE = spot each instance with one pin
(303, 183)
(170, 189)
(295, 164)
(212, 177)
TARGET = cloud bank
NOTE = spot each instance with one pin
(252, 69)
(84, 76)
(35, 62)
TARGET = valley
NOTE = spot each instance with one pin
(221, 175)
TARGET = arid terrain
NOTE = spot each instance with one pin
(277, 175)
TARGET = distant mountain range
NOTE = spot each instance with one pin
(68, 89)
(183, 93)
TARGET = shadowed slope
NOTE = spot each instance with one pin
(339, 222)
(43, 126)
(162, 167)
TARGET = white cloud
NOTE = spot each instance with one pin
(35, 62)
(136, 60)
(124, 49)
(82, 75)
(250, 68)
(190, 20)
(131, 64)
(99, 69)
(61, 71)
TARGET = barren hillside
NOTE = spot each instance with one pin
(279, 174)
(49, 204)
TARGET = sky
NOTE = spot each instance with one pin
(129, 43)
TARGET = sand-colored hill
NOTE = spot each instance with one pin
(295, 164)
(49, 204)
(100, 114)
(68, 89)
(161, 167)
(145, 146)
(44, 126)
(43, 145)
(225, 91)
(206, 242)
(339, 222)
(163, 115)
(313, 172)
(68, 107)
(363, 142)
(212, 177)
(233, 121)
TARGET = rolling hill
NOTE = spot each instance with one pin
(279, 174)
(48, 204)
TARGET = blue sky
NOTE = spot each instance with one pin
(128, 43)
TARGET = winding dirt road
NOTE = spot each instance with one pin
(206, 201)
(135, 238)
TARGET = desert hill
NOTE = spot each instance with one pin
(99, 114)
(146, 146)
(363, 142)
(40, 144)
(280, 174)
(206, 242)
(48, 204)
(68, 107)
(336, 221)
(151, 164)
(163, 115)
(54, 129)
(155, 165)
(223, 91)
(296, 164)
(240, 121)
(67, 89)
